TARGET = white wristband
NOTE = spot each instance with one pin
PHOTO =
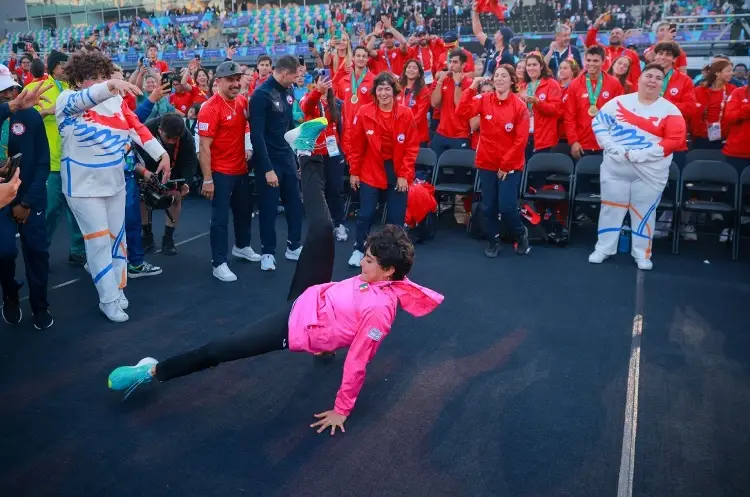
(207, 181)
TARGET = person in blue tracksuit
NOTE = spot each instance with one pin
(274, 162)
(26, 214)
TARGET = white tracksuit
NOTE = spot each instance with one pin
(649, 133)
(96, 128)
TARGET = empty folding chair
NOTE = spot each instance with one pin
(709, 178)
(587, 172)
(670, 202)
(704, 154)
(455, 174)
(425, 163)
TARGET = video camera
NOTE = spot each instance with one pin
(160, 196)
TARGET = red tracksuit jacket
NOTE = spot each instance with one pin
(342, 88)
(419, 106)
(503, 129)
(546, 113)
(737, 121)
(576, 107)
(708, 109)
(681, 92)
(613, 53)
(365, 159)
(311, 105)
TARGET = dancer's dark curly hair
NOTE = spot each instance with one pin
(85, 65)
(392, 248)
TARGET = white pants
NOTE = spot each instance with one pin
(102, 222)
(622, 191)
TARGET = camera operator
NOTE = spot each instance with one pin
(174, 136)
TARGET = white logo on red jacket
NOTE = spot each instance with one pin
(401, 138)
(364, 90)
(674, 91)
(18, 129)
(488, 117)
(393, 55)
(542, 97)
(370, 132)
(478, 96)
(509, 127)
(565, 98)
(605, 94)
(744, 101)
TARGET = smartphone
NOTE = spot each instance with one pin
(197, 56)
(673, 27)
(166, 79)
(326, 73)
(13, 164)
(311, 44)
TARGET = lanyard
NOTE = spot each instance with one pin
(357, 82)
(593, 97)
(176, 150)
(665, 84)
(412, 97)
(57, 84)
(419, 55)
(531, 91)
(387, 59)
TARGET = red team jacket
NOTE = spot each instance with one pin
(576, 106)
(681, 92)
(503, 129)
(312, 105)
(737, 121)
(708, 109)
(342, 85)
(613, 54)
(419, 105)
(546, 113)
(365, 159)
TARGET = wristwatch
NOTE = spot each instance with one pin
(25, 205)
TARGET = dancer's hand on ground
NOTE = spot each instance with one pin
(354, 182)
(329, 418)
(272, 179)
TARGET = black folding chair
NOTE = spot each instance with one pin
(670, 202)
(425, 163)
(704, 154)
(587, 168)
(743, 207)
(714, 178)
(455, 174)
(555, 168)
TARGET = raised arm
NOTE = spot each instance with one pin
(476, 25)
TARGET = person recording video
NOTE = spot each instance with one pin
(171, 132)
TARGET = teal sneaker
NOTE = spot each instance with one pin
(130, 377)
(302, 138)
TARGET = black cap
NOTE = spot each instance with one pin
(450, 37)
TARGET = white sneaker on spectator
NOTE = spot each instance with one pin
(356, 258)
(293, 255)
(688, 233)
(342, 234)
(267, 262)
(644, 264)
(246, 253)
(123, 301)
(113, 311)
(597, 257)
(223, 273)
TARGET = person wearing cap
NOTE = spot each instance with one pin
(224, 149)
(56, 204)
(96, 127)
(25, 215)
(446, 46)
(422, 50)
(497, 48)
(274, 162)
(560, 49)
(388, 57)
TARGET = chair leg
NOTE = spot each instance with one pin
(736, 238)
(675, 229)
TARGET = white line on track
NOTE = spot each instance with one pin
(627, 459)
(75, 280)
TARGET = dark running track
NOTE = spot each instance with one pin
(515, 387)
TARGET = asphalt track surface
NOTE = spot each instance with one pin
(516, 386)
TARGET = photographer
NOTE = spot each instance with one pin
(171, 132)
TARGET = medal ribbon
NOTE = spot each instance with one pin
(665, 84)
(357, 82)
(594, 96)
(531, 91)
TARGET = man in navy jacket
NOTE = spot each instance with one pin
(26, 214)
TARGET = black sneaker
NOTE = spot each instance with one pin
(522, 242)
(147, 240)
(144, 269)
(167, 245)
(77, 259)
(12, 313)
(493, 247)
(43, 320)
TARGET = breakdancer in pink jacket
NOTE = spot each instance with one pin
(322, 316)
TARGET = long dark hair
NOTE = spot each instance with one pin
(545, 72)
(623, 78)
(330, 102)
(513, 76)
(714, 70)
(419, 83)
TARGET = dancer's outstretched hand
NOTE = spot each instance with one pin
(329, 418)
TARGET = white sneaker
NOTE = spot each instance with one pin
(341, 233)
(86, 267)
(644, 264)
(123, 301)
(246, 253)
(597, 257)
(267, 262)
(356, 258)
(113, 311)
(293, 255)
(147, 360)
(688, 233)
(223, 273)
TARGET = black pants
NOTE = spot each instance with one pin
(315, 266)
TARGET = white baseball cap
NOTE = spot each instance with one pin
(6, 79)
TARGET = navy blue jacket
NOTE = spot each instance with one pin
(270, 117)
(27, 136)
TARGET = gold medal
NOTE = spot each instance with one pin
(354, 99)
(593, 111)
